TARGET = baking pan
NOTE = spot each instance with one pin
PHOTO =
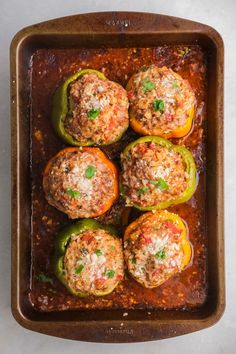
(120, 30)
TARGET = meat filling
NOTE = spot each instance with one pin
(93, 262)
(80, 184)
(152, 174)
(98, 110)
(160, 98)
(153, 251)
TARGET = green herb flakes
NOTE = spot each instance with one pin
(122, 190)
(110, 273)
(44, 278)
(142, 190)
(72, 193)
(93, 113)
(79, 269)
(98, 252)
(53, 291)
(161, 184)
(90, 172)
(148, 85)
(158, 105)
(160, 254)
(175, 85)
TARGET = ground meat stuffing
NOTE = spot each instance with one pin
(98, 110)
(93, 262)
(152, 174)
(153, 251)
(160, 99)
(80, 184)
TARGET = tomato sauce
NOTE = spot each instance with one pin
(49, 68)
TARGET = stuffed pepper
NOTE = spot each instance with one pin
(156, 173)
(89, 109)
(161, 103)
(156, 247)
(88, 258)
(81, 182)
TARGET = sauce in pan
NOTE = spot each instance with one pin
(49, 68)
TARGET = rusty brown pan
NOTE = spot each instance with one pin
(114, 29)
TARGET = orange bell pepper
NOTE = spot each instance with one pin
(103, 158)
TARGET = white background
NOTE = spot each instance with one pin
(221, 15)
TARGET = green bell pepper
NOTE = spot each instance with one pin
(190, 169)
(63, 239)
(60, 107)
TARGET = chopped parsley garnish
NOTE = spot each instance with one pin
(43, 278)
(160, 254)
(133, 261)
(90, 172)
(72, 193)
(148, 85)
(53, 291)
(79, 269)
(175, 85)
(122, 190)
(98, 252)
(93, 113)
(158, 105)
(142, 190)
(161, 184)
(110, 273)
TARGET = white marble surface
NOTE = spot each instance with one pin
(14, 15)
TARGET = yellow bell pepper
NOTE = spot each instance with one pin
(175, 223)
(175, 133)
